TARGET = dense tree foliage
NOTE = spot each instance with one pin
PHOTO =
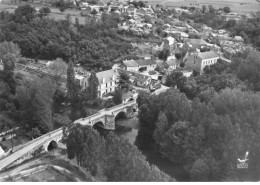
(8, 104)
(35, 98)
(95, 44)
(93, 85)
(117, 97)
(119, 160)
(206, 138)
(124, 81)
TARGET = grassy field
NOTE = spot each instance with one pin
(239, 6)
(55, 12)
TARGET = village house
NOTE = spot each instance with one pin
(172, 63)
(230, 17)
(197, 43)
(107, 81)
(136, 65)
(142, 80)
(198, 61)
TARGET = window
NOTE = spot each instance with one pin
(106, 84)
(111, 84)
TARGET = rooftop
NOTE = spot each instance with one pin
(145, 62)
(108, 75)
(207, 55)
(197, 41)
(130, 63)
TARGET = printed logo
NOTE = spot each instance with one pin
(242, 163)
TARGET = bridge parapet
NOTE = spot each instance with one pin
(105, 115)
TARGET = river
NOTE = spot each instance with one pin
(128, 129)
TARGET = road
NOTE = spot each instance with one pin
(28, 147)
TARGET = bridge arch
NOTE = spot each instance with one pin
(131, 99)
(120, 115)
(99, 124)
(52, 145)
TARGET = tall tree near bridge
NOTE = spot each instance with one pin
(35, 101)
(93, 85)
(71, 83)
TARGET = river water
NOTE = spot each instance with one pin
(128, 129)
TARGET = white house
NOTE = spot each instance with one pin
(135, 65)
(198, 61)
(107, 81)
(148, 65)
(130, 65)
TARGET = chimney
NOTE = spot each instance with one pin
(103, 80)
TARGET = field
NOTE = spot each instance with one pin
(55, 12)
(240, 6)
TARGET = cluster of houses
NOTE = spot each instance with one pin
(189, 49)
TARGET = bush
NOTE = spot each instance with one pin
(5, 148)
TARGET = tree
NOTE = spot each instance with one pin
(77, 22)
(117, 97)
(178, 56)
(173, 79)
(161, 127)
(124, 81)
(35, 100)
(163, 55)
(9, 47)
(71, 83)
(172, 144)
(68, 18)
(94, 12)
(93, 85)
(200, 170)
(44, 11)
(7, 75)
(204, 8)
(60, 120)
(226, 9)
(86, 145)
(58, 68)
(24, 13)
(211, 9)
(62, 9)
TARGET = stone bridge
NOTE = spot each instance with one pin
(105, 118)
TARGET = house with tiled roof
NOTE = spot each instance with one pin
(142, 80)
(107, 81)
(147, 64)
(130, 65)
(135, 65)
(198, 61)
(197, 43)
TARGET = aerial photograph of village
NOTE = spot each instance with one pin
(129, 91)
